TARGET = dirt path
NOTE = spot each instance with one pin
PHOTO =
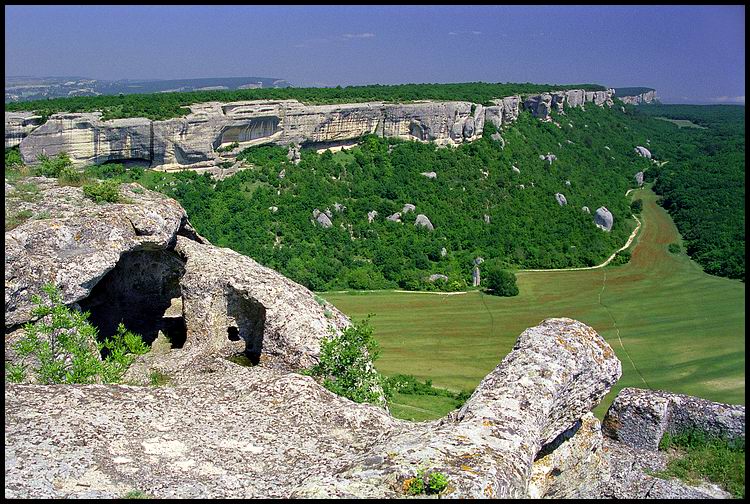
(609, 259)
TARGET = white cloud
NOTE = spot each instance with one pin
(728, 99)
(464, 32)
(358, 35)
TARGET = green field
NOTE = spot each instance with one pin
(673, 326)
(681, 123)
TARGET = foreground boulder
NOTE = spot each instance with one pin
(639, 418)
(193, 440)
(643, 152)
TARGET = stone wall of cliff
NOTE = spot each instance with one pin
(192, 141)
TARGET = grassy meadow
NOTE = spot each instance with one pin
(672, 326)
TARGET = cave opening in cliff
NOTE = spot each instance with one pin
(142, 292)
(247, 323)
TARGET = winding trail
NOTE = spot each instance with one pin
(609, 259)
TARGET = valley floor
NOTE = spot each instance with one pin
(673, 326)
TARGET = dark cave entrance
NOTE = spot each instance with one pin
(247, 319)
(143, 292)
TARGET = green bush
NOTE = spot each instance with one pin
(622, 257)
(636, 206)
(500, 282)
(702, 456)
(13, 157)
(100, 192)
(674, 248)
(436, 483)
(52, 167)
(65, 347)
(346, 364)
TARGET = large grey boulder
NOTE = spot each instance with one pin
(603, 218)
(423, 221)
(639, 418)
(394, 217)
(561, 199)
(516, 170)
(437, 276)
(639, 178)
(643, 152)
(429, 175)
(322, 218)
(408, 207)
(371, 215)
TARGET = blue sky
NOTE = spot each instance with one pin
(689, 54)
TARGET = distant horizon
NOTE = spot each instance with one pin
(292, 84)
(689, 53)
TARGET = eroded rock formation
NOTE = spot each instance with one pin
(131, 261)
(192, 141)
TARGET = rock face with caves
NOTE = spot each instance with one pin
(192, 141)
(132, 261)
(222, 430)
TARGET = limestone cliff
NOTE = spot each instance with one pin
(192, 141)
(647, 97)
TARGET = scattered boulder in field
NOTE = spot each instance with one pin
(603, 218)
(443, 252)
(282, 173)
(639, 178)
(516, 170)
(567, 183)
(585, 209)
(408, 207)
(339, 207)
(486, 219)
(322, 219)
(429, 175)
(643, 152)
(521, 186)
(273, 209)
(394, 217)
(423, 221)
(499, 139)
(560, 197)
(371, 215)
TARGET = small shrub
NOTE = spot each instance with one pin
(70, 176)
(158, 379)
(13, 158)
(674, 248)
(52, 167)
(500, 282)
(622, 257)
(228, 148)
(65, 347)
(13, 220)
(136, 494)
(346, 364)
(636, 206)
(100, 192)
(436, 483)
(413, 486)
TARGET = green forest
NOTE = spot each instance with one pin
(269, 217)
(527, 227)
(703, 185)
(160, 106)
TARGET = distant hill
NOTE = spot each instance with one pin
(21, 88)
(632, 91)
